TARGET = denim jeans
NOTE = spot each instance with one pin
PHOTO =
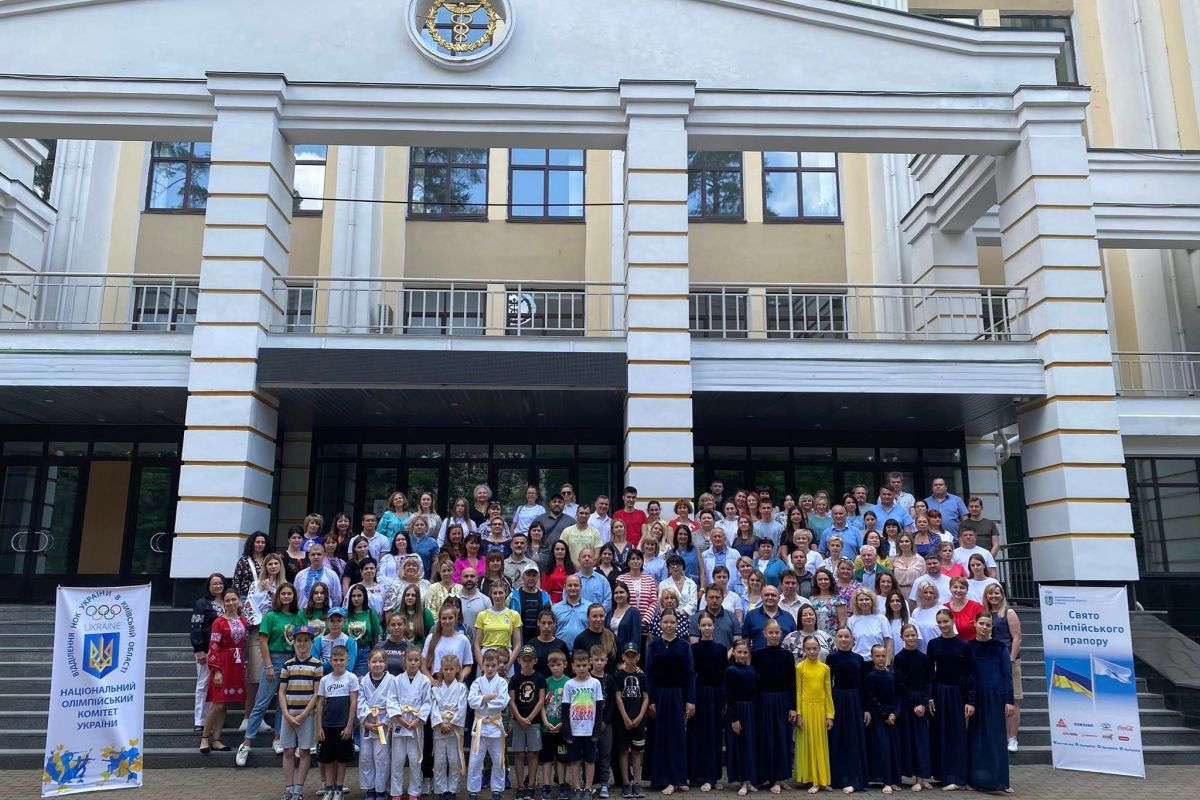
(267, 691)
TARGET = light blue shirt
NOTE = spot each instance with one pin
(569, 620)
(851, 540)
(306, 579)
(524, 516)
(952, 507)
(377, 545)
(712, 559)
(595, 590)
(897, 513)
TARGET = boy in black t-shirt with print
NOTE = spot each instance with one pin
(629, 735)
(337, 695)
(527, 695)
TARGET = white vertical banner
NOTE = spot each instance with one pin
(1094, 719)
(97, 690)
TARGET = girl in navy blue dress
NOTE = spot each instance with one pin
(952, 703)
(775, 710)
(671, 683)
(883, 704)
(741, 687)
(848, 736)
(913, 675)
(704, 743)
(993, 706)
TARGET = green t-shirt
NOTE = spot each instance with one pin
(554, 696)
(364, 627)
(277, 626)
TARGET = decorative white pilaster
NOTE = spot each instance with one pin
(229, 442)
(947, 258)
(356, 233)
(658, 410)
(1080, 524)
(25, 222)
(986, 481)
(295, 465)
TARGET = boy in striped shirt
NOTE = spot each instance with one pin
(298, 682)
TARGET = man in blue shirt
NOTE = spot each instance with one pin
(851, 536)
(570, 613)
(953, 509)
(595, 587)
(888, 508)
(756, 620)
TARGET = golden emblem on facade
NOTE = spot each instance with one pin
(462, 37)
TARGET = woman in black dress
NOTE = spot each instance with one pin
(882, 699)
(741, 687)
(952, 703)
(993, 706)
(848, 736)
(913, 675)
(776, 709)
(671, 683)
(704, 743)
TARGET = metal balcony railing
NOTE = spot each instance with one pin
(1157, 374)
(857, 311)
(92, 301)
(450, 307)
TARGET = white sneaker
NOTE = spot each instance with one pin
(427, 786)
(277, 746)
(242, 727)
(243, 753)
(265, 727)
(1012, 745)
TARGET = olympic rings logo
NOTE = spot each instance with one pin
(107, 612)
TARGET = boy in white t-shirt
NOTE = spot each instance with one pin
(582, 713)
(968, 546)
(337, 695)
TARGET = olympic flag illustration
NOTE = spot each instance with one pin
(97, 691)
(1094, 722)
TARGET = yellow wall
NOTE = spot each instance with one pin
(494, 250)
(1007, 6)
(732, 252)
(169, 244)
(104, 518)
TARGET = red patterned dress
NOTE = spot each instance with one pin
(225, 654)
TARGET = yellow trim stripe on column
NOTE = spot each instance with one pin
(1051, 537)
(1072, 465)
(247, 500)
(1061, 500)
(1068, 432)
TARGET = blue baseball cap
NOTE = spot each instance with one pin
(336, 611)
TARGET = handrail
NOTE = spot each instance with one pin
(83, 301)
(1156, 373)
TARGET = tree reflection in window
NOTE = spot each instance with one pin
(715, 184)
(178, 176)
(448, 183)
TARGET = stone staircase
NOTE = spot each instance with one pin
(26, 652)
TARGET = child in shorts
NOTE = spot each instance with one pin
(629, 731)
(582, 712)
(527, 696)
(297, 699)
(336, 696)
(553, 752)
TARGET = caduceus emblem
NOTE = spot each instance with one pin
(462, 16)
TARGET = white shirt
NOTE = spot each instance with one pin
(448, 704)
(793, 606)
(569, 510)
(869, 630)
(962, 555)
(687, 593)
(942, 583)
(413, 696)
(975, 589)
(382, 698)
(524, 516)
(377, 545)
(926, 621)
(581, 698)
(602, 524)
(488, 722)
(730, 528)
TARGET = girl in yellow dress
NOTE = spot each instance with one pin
(814, 699)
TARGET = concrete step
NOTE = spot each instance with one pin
(161, 668)
(1150, 717)
(154, 654)
(1157, 755)
(174, 720)
(155, 701)
(44, 639)
(1164, 736)
(168, 758)
(13, 739)
(40, 685)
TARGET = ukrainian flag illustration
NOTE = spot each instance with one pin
(1066, 679)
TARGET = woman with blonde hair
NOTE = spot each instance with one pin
(668, 600)
(313, 524)
(868, 626)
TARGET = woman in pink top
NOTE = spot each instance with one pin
(949, 568)
(473, 560)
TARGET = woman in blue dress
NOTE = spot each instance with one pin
(951, 704)
(775, 710)
(671, 683)
(704, 743)
(848, 736)
(741, 687)
(993, 706)
(882, 698)
(913, 675)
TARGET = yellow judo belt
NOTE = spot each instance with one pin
(380, 730)
(480, 721)
(405, 711)
(447, 717)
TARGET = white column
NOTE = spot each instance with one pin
(986, 480)
(946, 258)
(1080, 524)
(229, 441)
(25, 222)
(658, 411)
(356, 238)
(294, 468)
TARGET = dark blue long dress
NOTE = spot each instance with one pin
(848, 736)
(953, 687)
(988, 753)
(914, 674)
(704, 731)
(671, 682)
(883, 753)
(741, 687)
(776, 697)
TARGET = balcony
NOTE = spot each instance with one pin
(878, 312)
(1158, 401)
(97, 301)
(1157, 374)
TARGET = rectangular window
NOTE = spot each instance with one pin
(545, 184)
(308, 185)
(448, 183)
(800, 186)
(299, 314)
(718, 315)
(1165, 495)
(715, 185)
(178, 176)
(1065, 63)
(164, 307)
(448, 312)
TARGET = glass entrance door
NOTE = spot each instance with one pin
(150, 527)
(40, 512)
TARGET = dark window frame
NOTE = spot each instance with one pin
(702, 172)
(546, 169)
(324, 164)
(1031, 22)
(189, 164)
(799, 171)
(1155, 538)
(449, 164)
(178, 314)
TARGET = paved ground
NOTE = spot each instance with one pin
(1031, 783)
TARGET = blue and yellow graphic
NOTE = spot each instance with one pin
(1065, 679)
(64, 768)
(123, 762)
(99, 653)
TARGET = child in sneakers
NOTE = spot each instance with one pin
(376, 705)
(632, 702)
(527, 696)
(604, 744)
(488, 697)
(298, 681)
(553, 751)
(582, 710)
(336, 696)
(449, 718)
(408, 726)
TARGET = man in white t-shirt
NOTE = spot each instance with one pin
(933, 574)
(967, 547)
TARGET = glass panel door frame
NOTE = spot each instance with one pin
(160, 542)
(29, 585)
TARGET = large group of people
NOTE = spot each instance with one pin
(830, 642)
